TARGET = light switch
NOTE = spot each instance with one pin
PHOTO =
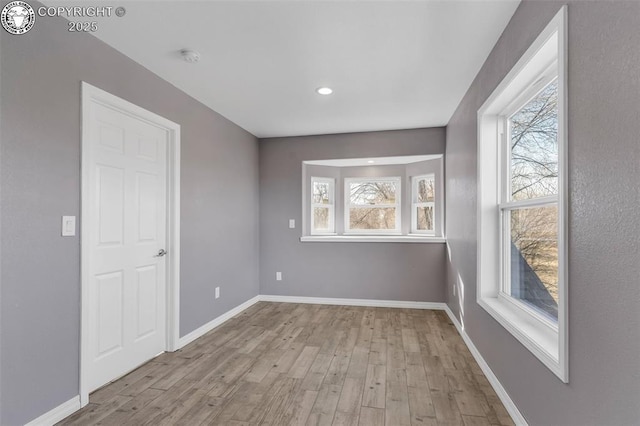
(68, 226)
(292, 223)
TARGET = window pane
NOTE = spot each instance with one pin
(367, 193)
(321, 193)
(534, 146)
(372, 218)
(321, 218)
(425, 218)
(534, 258)
(426, 191)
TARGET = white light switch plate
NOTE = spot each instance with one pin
(68, 226)
(278, 276)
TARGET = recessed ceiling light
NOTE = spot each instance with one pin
(370, 161)
(324, 90)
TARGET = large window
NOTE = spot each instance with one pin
(322, 205)
(372, 205)
(522, 200)
(529, 202)
(423, 193)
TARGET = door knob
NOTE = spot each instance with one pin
(161, 253)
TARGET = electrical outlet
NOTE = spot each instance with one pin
(278, 276)
(292, 223)
(217, 292)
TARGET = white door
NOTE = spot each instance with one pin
(127, 209)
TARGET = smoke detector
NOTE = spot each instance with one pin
(190, 56)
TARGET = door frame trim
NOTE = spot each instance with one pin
(91, 94)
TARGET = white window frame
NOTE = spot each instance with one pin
(544, 338)
(397, 205)
(331, 206)
(415, 204)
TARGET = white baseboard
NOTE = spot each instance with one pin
(58, 413)
(201, 331)
(353, 302)
(508, 403)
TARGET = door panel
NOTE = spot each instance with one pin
(147, 149)
(110, 309)
(146, 297)
(147, 187)
(110, 187)
(111, 137)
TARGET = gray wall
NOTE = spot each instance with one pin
(40, 178)
(388, 271)
(604, 225)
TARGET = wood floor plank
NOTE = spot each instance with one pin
(252, 396)
(289, 357)
(358, 364)
(180, 407)
(446, 409)
(438, 383)
(378, 352)
(346, 419)
(375, 386)
(207, 407)
(475, 421)
(299, 411)
(338, 369)
(472, 404)
(332, 340)
(397, 410)
(351, 396)
(416, 376)
(410, 340)
(174, 375)
(420, 404)
(301, 365)
(277, 411)
(157, 409)
(371, 417)
(317, 372)
(378, 327)
(348, 342)
(124, 413)
(325, 405)
(294, 364)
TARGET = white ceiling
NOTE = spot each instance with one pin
(392, 64)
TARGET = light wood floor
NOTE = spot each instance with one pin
(281, 364)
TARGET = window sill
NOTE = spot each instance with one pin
(372, 239)
(540, 339)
